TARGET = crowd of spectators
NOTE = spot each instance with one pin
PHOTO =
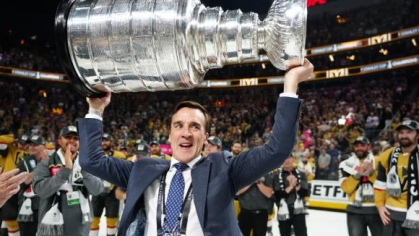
(382, 17)
(237, 114)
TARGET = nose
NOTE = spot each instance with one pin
(185, 132)
(73, 139)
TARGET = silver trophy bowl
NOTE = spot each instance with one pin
(158, 45)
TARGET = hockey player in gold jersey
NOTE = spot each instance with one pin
(397, 184)
(356, 177)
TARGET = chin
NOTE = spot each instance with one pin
(185, 158)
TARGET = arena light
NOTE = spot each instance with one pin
(414, 42)
(383, 51)
(331, 58)
(43, 93)
(340, 19)
(351, 57)
(263, 66)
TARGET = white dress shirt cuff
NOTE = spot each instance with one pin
(93, 116)
(292, 95)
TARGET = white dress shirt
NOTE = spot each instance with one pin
(151, 195)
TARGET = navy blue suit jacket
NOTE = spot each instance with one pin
(214, 179)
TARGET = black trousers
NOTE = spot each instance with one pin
(106, 201)
(395, 228)
(358, 224)
(29, 228)
(253, 219)
(297, 221)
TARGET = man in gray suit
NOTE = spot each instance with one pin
(210, 184)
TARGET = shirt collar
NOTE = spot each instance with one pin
(190, 164)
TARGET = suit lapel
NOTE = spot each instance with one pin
(200, 176)
(137, 187)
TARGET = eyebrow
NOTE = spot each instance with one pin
(192, 123)
(196, 123)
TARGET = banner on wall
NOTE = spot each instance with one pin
(327, 194)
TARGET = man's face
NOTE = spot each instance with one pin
(288, 164)
(36, 150)
(376, 149)
(22, 146)
(106, 144)
(155, 149)
(407, 137)
(210, 148)
(142, 154)
(236, 149)
(125, 151)
(361, 150)
(187, 134)
(304, 159)
(258, 142)
(71, 139)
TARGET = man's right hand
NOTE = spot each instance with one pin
(68, 157)
(368, 169)
(99, 104)
(296, 75)
(10, 184)
(29, 178)
(384, 215)
(120, 194)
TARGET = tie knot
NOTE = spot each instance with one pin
(181, 166)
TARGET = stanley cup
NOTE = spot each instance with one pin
(155, 45)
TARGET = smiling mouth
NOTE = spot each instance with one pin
(186, 145)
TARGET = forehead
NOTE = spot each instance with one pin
(290, 159)
(70, 135)
(187, 115)
(34, 144)
(360, 144)
(210, 145)
(258, 142)
(406, 130)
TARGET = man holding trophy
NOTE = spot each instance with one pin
(152, 45)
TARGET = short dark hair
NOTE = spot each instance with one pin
(194, 105)
(236, 141)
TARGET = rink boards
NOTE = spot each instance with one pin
(327, 194)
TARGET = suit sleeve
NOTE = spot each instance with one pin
(250, 165)
(93, 159)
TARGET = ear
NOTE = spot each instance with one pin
(59, 141)
(206, 138)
